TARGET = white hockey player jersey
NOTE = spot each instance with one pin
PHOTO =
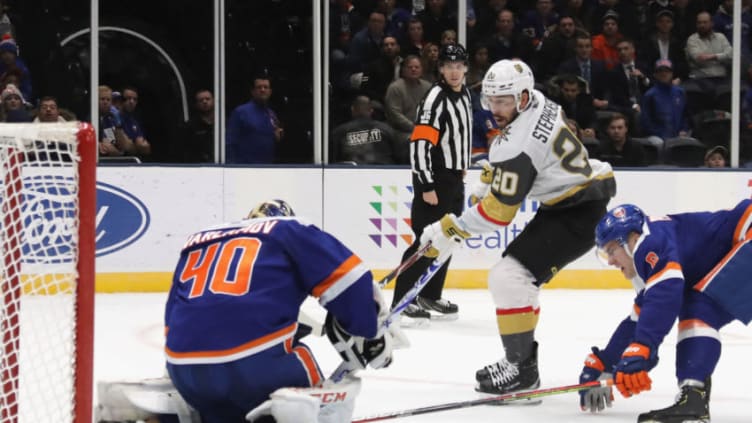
(537, 156)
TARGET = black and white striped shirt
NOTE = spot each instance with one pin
(442, 135)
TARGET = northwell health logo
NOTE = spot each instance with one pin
(390, 213)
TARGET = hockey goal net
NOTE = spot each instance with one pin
(47, 244)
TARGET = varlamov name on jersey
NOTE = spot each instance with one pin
(547, 121)
(256, 226)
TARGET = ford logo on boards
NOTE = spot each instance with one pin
(121, 219)
(49, 219)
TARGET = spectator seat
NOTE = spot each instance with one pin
(684, 152)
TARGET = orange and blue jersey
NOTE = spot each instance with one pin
(237, 289)
(679, 258)
(674, 254)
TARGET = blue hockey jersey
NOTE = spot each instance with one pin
(674, 254)
(237, 289)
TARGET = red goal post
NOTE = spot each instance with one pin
(47, 242)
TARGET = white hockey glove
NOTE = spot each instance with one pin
(444, 235)
(481, 187)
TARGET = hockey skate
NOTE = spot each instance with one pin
(504, 377)
(414, 317)
(440, 309)
(692, 406)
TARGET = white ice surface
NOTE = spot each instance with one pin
(440, 365)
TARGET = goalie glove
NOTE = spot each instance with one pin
(444, 235)
(595, 399)
(357, 351)
(480, 188)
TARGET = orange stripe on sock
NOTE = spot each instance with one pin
(691, 324)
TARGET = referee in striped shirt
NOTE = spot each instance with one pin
(439, 155)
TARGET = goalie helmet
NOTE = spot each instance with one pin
(271, 208)
(618, 223)
(507, 77)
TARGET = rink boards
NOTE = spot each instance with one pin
(146, 213)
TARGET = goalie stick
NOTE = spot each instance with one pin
(345, 367)
(490, 400)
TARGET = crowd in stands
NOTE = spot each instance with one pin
(643, 82)
(646, 82)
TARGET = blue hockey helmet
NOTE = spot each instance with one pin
(271, 208)
(618, 223)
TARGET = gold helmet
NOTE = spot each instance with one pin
(271, 208)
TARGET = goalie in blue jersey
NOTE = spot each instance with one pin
(231, 320)
(692, 266)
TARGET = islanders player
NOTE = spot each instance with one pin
(535, 156)
(694, 266)
(231, 319)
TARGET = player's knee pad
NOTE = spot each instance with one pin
(512, 285)
(329, 403)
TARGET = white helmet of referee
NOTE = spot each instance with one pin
(507, 77)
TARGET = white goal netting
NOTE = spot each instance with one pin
(40, 203)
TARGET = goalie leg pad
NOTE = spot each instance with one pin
(134, 401)
(329, 403)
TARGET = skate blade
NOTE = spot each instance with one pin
(440, 317)
(512, 402)
(517, 402)
(413, 323)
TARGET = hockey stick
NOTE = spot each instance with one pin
(482, 401)
(345, 367)
(404, 265)
(410, 295)
(317, 328)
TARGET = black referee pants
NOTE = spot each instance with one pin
(450, 190)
